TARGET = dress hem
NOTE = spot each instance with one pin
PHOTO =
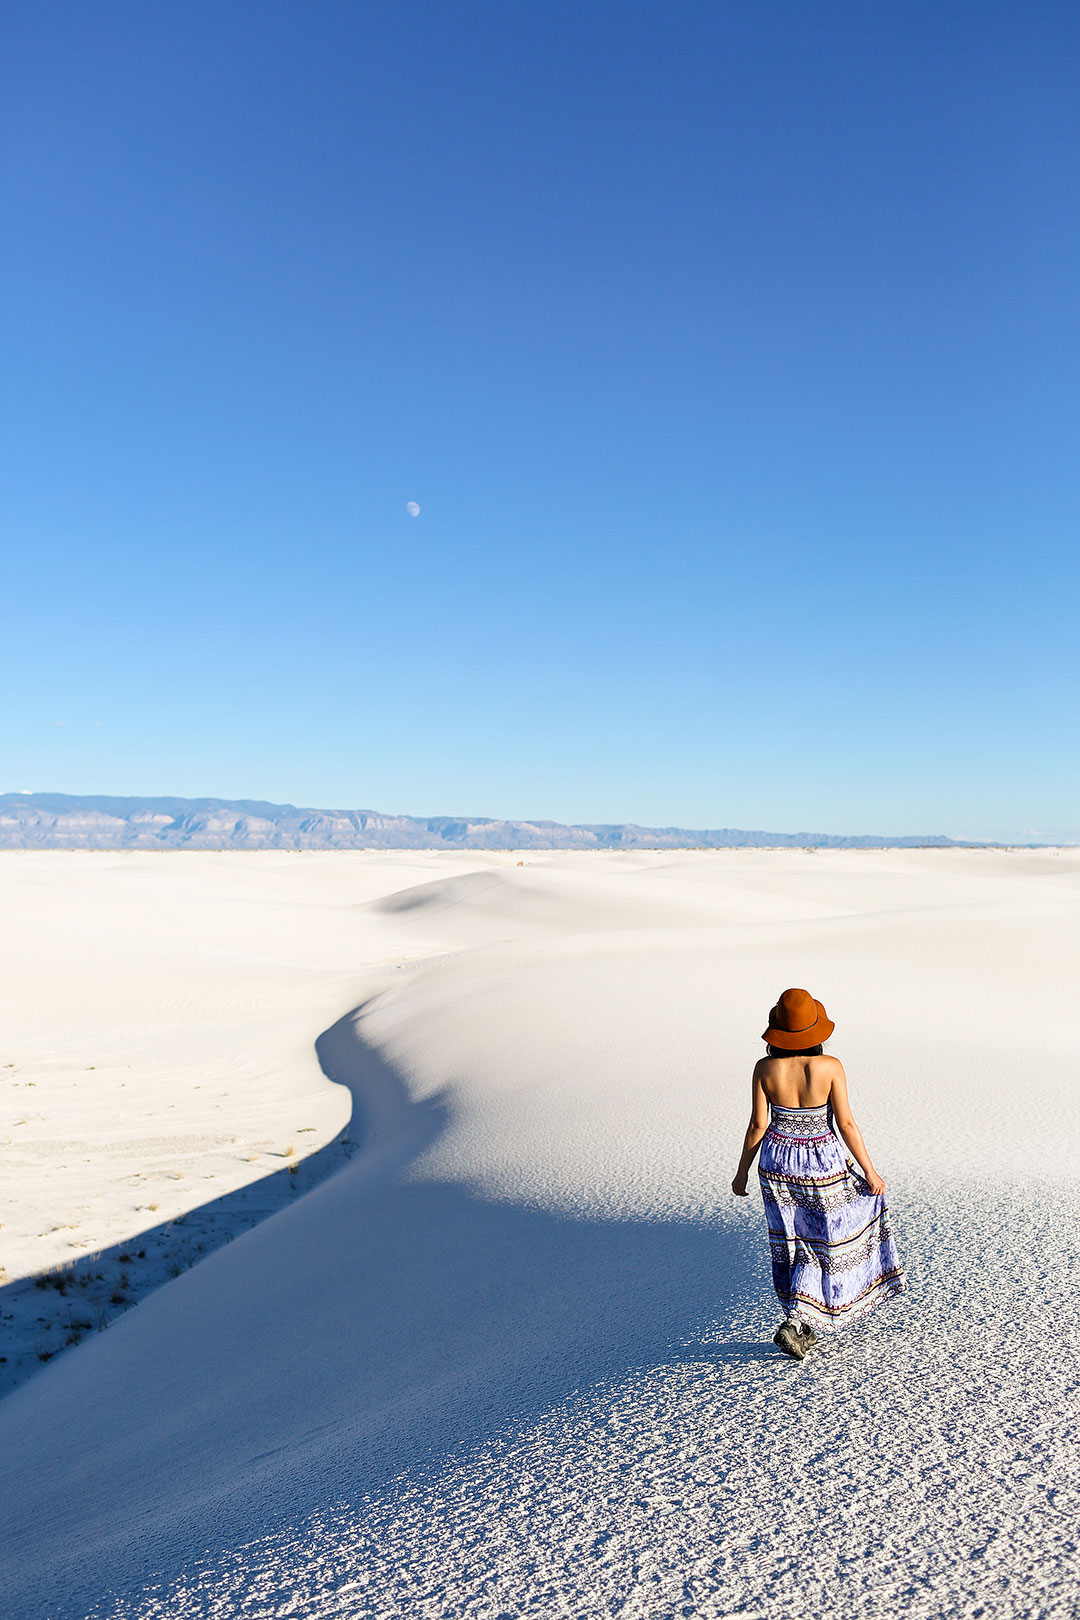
(817, 1316)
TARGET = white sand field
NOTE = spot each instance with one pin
(500, 1346)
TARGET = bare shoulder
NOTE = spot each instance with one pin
(827, 1071)
(761, 1081)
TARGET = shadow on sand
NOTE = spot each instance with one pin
(53, 1310)
(389, 1322)
(439, 1318)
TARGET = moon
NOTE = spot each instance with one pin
(413, 508)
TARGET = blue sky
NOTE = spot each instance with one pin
(729, 350)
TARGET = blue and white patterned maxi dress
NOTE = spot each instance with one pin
(833, 1254)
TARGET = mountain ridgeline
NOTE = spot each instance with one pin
(70, 821)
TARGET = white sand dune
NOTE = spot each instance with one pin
(513, 1357)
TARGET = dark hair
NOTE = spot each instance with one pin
(806, 1051)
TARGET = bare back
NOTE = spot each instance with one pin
(802, 1082)
(798, 1082)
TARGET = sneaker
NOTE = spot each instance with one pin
(808, 1337)
(788, 1338)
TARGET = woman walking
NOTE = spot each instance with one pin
(833, 1255)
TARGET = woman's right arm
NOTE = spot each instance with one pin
(844, 1120)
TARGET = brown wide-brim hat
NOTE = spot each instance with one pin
(797, 1021)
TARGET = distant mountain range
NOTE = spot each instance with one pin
(71, 821)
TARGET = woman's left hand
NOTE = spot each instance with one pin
(738, 1186)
